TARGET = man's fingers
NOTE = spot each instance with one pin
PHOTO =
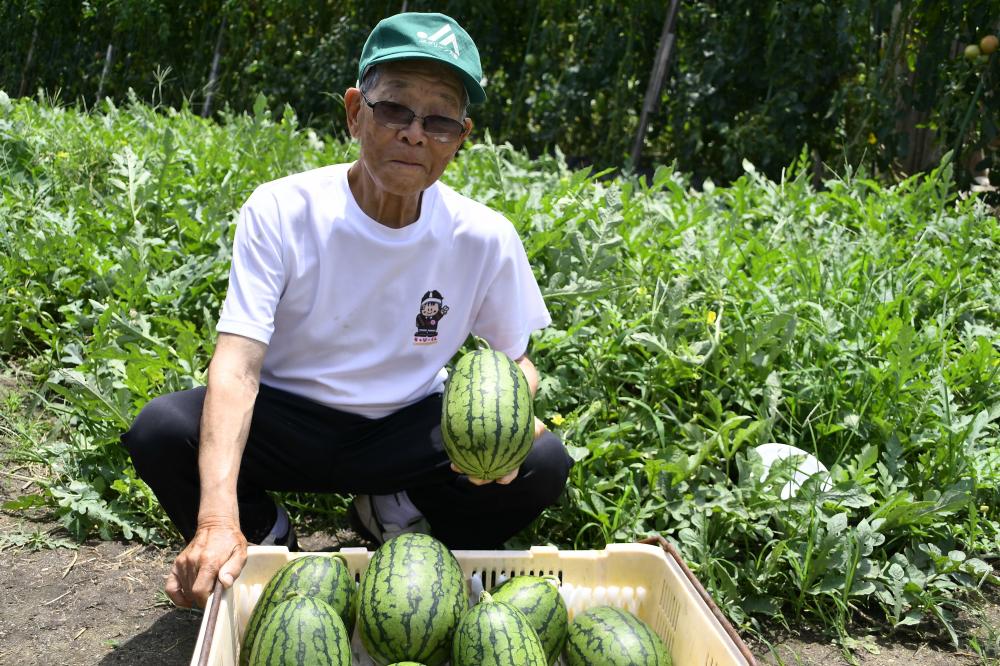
(473, 480)
(510, 477)
(478, 482)
(203, 586)
(175, 591)
(231, 569)
(503, 481)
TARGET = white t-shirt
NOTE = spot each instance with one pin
(362, 317)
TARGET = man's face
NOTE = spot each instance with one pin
(408, 161)
(429, 309)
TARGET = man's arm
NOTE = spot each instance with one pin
(531, 375)
(218, 548)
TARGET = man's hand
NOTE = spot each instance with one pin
(217, 551)
(503, 481)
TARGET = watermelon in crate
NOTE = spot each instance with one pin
(412, 596)
(613, 637)
(322, 576)
(494, 633)
(539, 599)
(301, 631)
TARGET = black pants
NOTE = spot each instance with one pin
(296, 444)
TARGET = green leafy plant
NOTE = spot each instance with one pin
(857, 322)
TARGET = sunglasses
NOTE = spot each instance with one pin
(397, 117)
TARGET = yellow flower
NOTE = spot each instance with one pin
(872, 139)
(62, 154)
(557, 419)
(711, 317)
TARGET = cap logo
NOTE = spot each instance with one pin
(444, 37)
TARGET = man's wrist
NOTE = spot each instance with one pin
(218, 511)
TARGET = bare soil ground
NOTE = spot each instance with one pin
(101, 602)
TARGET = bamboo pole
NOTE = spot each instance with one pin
(660, 67)
(108, 55)
(23, 87)
(213, 76)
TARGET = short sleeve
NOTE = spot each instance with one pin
(513, 306)
(257, 276)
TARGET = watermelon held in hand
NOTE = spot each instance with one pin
(487, 417)
(613, 637)
(539, 599)
(322, 576)
(301, 631)
(412, 596)
(494, 633)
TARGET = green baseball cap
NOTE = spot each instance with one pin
(414, 35)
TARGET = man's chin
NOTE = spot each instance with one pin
(401, 179)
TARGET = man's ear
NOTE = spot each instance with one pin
(352, 105)
(465, 135)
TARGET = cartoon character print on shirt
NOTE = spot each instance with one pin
(432, 309)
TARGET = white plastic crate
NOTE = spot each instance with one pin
(649, 580)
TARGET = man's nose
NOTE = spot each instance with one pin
(414, 132)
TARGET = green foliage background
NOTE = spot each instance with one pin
(859, 323)
(757, 80)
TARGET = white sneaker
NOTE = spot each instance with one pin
(283, 532)
(379, 518)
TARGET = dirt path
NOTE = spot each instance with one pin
(95, 605)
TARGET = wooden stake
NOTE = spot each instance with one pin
(22, 89)
(108, 55)
(660, 67)
(213, 76)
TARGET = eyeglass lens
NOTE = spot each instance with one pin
(396, 116)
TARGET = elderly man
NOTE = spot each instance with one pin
(319, 382)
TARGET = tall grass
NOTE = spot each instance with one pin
(859, 323)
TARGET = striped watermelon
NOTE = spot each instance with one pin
(494, 633)
(411, 599)
(487, 419)
(539, 599)
(322, 576)
(613, 637)
(301, 631)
